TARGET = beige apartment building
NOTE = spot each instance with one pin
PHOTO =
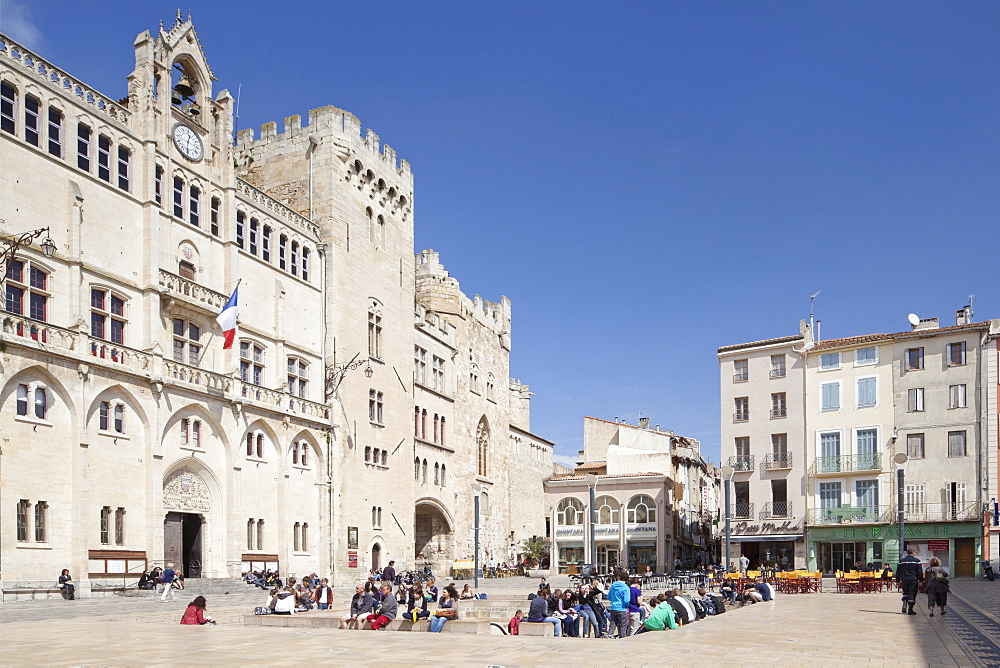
(762, 439)
(355, 359)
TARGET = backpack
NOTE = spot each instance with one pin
(699, 607)
(709, 605)
(719, 603)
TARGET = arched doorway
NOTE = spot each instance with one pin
(376, 557)
(433, 529)
(187, 500)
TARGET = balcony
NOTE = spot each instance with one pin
(777, 460)
(777, 373)
(847, 463)
(742, 511)
(741, 377)
(942, 512)
(850, 515)
(776, 510)
(779, 413)
(741, 416)
(742, 462)
(191, 292)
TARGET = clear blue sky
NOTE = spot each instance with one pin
(646, 181)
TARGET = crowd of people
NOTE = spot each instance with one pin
(624, 610)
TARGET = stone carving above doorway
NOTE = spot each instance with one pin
(185, 491)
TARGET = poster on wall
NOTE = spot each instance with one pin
(352, 538)
(352, 559)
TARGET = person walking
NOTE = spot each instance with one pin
(66, 584)
(619, 596)
(909, 574)
(389, 573)
(744, 564)
(937, 587)
(168, 576)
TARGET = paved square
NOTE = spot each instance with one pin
(820, 629)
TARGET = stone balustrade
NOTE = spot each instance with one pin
(190, 374)
(183, 287)
(50, 336)
(283, 212)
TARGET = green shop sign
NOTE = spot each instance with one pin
(890, 531)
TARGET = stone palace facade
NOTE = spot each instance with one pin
(365, 396)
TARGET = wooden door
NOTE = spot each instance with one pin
(965, 557)
(173, 538)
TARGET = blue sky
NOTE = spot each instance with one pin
(646, 181)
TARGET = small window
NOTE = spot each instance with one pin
(956, 396)
(741, 371)
(375, 406)
(777, 366)
(186, 270)
(298, 377)
(106, 525)
(240, 228)
(187, 342)
(22, 399)
(956, 353)
(866, 356)
(282, 252)
(119, 418)
(830, 396)
(214, 216)
(178, 197)
(104, 416)
(956, 444)
(295, 258)
(124, 168)
(32, 123)
(914, 359)
(41, 403)
(915, 399)
(8, 106)
(260, 446)
(829, 361)
(254, 233)
(103, 158)
(55, 132)
(158, 186)
(120, 526)
(196, 433)
(83, 134)
(867, 392)
(194, 206)
(185, 428)
(915, 446)
(305, 263)
(23, 508)
(265, 244)
(41, 510)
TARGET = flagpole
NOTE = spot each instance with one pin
(211, 333)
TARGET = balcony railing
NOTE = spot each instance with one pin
(192, 291)
(741, 416)
(776, 509)
(779, 412)
(846, 463)
(942, 512)
(851, 515)
(742, 511)
(777, 460)
(741, 377)
(777, 373)
(742, 462)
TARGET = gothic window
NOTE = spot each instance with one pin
(385, 457)
(179, 197)
(254, 234)
(442, 430)
(443, 475)
(124, 167)
(282, 252)
(416, 422)
(120, 526)
(187, 337)
(569, 512)
(104, 158)
(369, 214)
(423, 472)
(641, 509)
(106, 525)
(437, 473)
(22, 399)
(419, 365)
(305, 537)
(490, 387)
(41, 403)
(305, 263)
(190, 433)
(194, 205)
(260, 534)
(111, 416)
(265, 244)
(250, 533)
(298, 377)
(375, 406)
(437, 373)
(8, 106)
(474, 378)
(83, 134)
(55, 132)
(32, 124)
(295, 258)
(416, 469)
(379, 231)
(158, 185)
(107, 316)
(241, 229)
(41, 510)
(295, 536)
(484, 504)
(213, 213)
(26, 291)
(23, 508)
(482, 447)
(251, 363)
(375, 330)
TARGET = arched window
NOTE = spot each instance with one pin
(305, 536)
(484, 504)
(370, 216)
(490, 386)
(482, 447)
(250, 533)
(295, 536)
(569, 512)
(437, 473)
(368, 453)
(444, 481)
(379, 230)
(260, 446)
(641, 510)
(260, 534)
(375, 329)
(607, 509)
(474, 378)
(442, 430)
(416, 469)
(423, 471)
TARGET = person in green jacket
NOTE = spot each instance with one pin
(662, 616)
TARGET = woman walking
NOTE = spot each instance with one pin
(66, 584)
(937, 586)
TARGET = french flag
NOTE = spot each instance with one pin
(227, 321)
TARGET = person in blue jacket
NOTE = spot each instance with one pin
(619, 596)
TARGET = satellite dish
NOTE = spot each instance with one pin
(914, 319)
(900, 458)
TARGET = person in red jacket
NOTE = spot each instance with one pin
(195, 613)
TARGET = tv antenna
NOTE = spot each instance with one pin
(972, 298)
(812, 304)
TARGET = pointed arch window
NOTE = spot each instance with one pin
(482, 447)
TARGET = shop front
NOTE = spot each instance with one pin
(956, 544)
(641, 547)
(779, 545)
(569, 550)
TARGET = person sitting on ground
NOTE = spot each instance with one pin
(751, 595)
(283, 602)
(681, 613)
(178, 579)
(765, 590)
(66, 584)
(386, 611)
(514, 625)
(467, 593)
(362, 605)
(539, 611)
(195, 613)
(147, 581)
(323, 595)
(416, 604)
(448, 609)
(707, 601)
(662, 617)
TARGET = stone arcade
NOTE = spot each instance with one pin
(129, 437)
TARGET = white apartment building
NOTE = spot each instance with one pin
(762, 425)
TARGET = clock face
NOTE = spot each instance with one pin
(188, 142)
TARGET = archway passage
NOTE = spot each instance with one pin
(432, 538)
(182, 542)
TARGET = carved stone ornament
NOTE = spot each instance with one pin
(185, 491)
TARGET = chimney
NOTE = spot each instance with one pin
(926, 323)
(644, 423)
(963, 316)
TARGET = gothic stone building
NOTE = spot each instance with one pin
(354, 359)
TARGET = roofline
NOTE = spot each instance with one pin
(878, 337)
(762, 343)
(528, 433)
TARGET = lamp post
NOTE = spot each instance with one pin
(335, 373)
(592, 484)
(477, 491)
(900, 458)
(11, 245)
(727, 473)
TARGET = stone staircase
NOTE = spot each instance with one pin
(211, 588)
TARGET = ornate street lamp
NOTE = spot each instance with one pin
(13, 243)
(335, 373)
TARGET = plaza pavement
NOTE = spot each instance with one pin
(795, 630)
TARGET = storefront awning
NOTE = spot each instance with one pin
(759, 539)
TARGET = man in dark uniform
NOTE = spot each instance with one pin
(909, 573)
